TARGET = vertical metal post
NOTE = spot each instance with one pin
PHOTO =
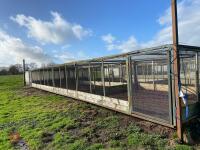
(176, 69)
(40, 76)
(94, 76)
(148, 76)
(24, 72)
(59, 71)
(66, 78)
(89, 76)
(53, 81)
(109, 75)
(47, 73)
(120, 68)
(170, 87)
(102, 78)
(153, 75)
(112, 73)
(197, 76)
(32, 77)
(43, 73)
(129, 83)
(145, 73)
(135, 74)
(76, 76)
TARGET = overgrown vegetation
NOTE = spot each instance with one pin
(34, 119)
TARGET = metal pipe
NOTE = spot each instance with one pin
(24, 72)
(103, 78)
(197, 76)
(89, 76)
(66, 78)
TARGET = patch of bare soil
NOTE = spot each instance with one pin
(17, 141)
(29, 91)
(47, 137)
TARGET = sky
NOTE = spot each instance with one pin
(61, 31)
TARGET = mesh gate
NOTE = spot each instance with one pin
(150, 88)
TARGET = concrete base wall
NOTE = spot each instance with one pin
(112, 103)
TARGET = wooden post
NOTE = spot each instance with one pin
(24, 72)
(129, 83)
(102, 78)
(176, 69)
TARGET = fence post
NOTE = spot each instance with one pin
(129, 83)
(89, 76)
(40, 76)
(197, 76)
(76, 78)
(176, 68)
(24, 72)
(52, 72)
(66, 77)
(43, 73)
(59, 71)
(102, 78)
(153, 75)
(169, 69)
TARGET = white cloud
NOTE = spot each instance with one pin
(13, 50)
(66, 56)
(188, 23)
(124, 46)
(189, 29)
(56, 31)
(108, 38)
(128, 45)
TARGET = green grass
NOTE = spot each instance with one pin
(49, 121)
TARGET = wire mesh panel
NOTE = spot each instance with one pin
(84, 77)
(115, 79)
(71, 78)
(150, 88)
(96, 73)
(188, 76)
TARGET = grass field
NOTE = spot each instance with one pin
(33, 119)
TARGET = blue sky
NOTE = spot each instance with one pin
(51, 31)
